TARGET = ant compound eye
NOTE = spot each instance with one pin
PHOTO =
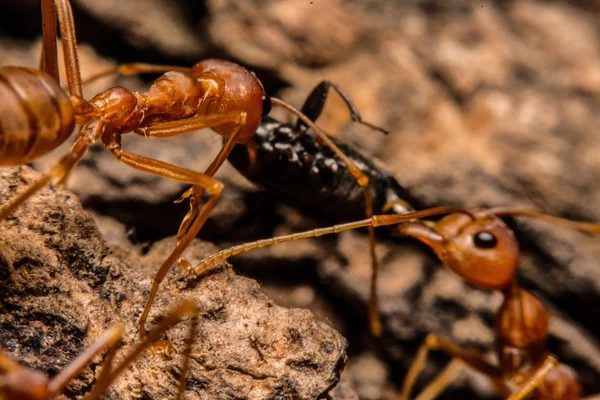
(266, 105)
(485, 240)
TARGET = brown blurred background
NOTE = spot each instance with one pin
(487, 102)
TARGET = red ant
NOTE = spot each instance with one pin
(481, 249)
(36, 116)
(21, 383)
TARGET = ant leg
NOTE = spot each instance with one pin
(447, 376)
(195, 192)
(314, 103)
(182, 244)
(536, 379)
(109, 339)
(70, 54)
(187, 353)
(441, 382)
(176, 315)
(49, 57)
(49, 52)
(472, 358)
(135, 69)
(103, 380)
(363, 181)
(174, 128)
(60, 169)
(113, 144)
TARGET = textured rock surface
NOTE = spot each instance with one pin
(488, 103)
(62, 286)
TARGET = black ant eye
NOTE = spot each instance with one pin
(485, 240)
(266, 105)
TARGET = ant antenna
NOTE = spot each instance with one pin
(374, 221)
(588, 227)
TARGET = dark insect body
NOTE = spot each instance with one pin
(291, 163)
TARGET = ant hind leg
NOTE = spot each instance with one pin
(461, 357)
(176, 315)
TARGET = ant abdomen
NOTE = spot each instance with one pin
(36, 115)
(234, 89)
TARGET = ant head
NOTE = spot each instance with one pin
(233, 88)
(483, 251)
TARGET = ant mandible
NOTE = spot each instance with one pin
(36, 116)
(481, 249)
(21, 383)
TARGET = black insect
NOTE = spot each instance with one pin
(291, 162)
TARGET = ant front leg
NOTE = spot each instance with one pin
(176, 315)
(108, 340)
(113, 143)
(536, 379)
(472, 358)
(174, 128)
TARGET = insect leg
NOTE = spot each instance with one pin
(363, 181)
(160, 168)
(109, 339)
(184, 309)
(536, 379)
(472, 358)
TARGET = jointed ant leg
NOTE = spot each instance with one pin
(174, 128)
(108, 340)
(536, 379)
(195, 192)
(315, 102)
(156, 167)
(441, 381)
(49, 52)
(178, 127)
(49, 57)
(363, 181)
(184, 309)
(472, 358)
